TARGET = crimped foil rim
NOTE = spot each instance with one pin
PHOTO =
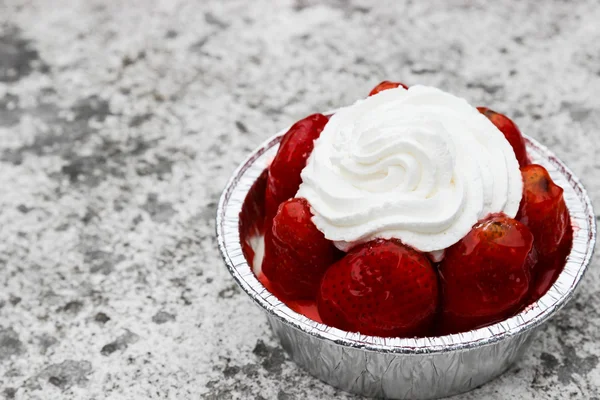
(580, 209)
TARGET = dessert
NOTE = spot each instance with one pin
(409, 213)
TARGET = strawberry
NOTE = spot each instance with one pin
(486, 276)
(380, 288)
(284, 172)
(511, 133)
(544, 211)
(385, 85)
(296, 252)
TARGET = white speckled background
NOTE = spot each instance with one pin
(120, 123)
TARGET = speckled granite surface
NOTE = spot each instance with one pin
(120, 123)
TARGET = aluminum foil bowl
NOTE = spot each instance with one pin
(398, 368)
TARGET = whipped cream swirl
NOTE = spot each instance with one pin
(419, 165)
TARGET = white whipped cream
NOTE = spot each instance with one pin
(419, 165)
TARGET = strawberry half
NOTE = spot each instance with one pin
(296, 252)
(486, 276)
(385, 85)
(511, 133)
(381, 288)
(544, 211)
(284, 172)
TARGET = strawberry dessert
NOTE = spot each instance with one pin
(407, 214)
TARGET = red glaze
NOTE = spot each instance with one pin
(511, 133)
(308, 308)
(549, 267)
(284, 172)
(384, 288)
(385, 85)
(544, 211)
(265, 281)
(296, 252)
(381, 288)
(486, 276)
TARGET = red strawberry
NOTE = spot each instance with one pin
(486, 276)
(511, 133)
(296, 252)
(381, 288)
(544, 211)
(284, 172)
(385, 85)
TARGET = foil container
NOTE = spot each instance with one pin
(398, 368)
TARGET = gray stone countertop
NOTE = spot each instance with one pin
(120, 122)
